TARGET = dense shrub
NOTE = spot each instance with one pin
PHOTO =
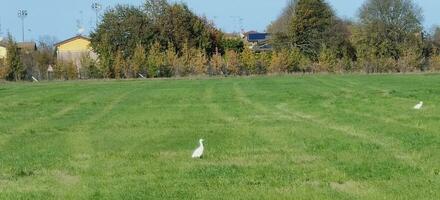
(262, 63)
(232, 62)
(216, 65)
(248, 62)
(155, 60)
(434, 63)
(89, 68)
(200, 62)
(279, 62)
(2, 69)
(328, 62)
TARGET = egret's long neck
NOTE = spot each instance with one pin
(201, 143)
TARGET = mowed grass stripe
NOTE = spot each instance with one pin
(334, 175)
(60, 140)
(390, 145)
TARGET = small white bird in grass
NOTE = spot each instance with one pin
(419, 106)
(198, 153)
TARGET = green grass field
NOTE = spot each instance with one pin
(288, 137)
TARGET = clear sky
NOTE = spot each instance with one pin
(59, 18)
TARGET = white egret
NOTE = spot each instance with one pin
(419, 106)
(198, 153)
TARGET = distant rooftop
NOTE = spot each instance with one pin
(28, 46)
(254, 36)
(71, 39)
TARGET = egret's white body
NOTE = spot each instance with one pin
(198, 153)
(419, 106)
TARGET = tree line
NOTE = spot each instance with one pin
(387, 37)
(22, 64)
(161, 39)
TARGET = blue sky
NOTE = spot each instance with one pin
(59, 18)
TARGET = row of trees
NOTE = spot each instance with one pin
(160, 39)
(189, 62)
(194, 62)
(22, 64)
(126, 32)
(388, 37)
(307, 37)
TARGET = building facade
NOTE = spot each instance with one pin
(73, 49)
(3, 51)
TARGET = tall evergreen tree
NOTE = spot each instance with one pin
(155, 60)
(15, 67)
(139, 61)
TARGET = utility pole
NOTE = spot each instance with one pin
(22, 14)
(239, 23)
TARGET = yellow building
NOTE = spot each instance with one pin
(73, 49)
(3, 51)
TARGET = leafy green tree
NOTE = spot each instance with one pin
(410, 60)
(122, 29)
(155, 8)
(347, 64)
(279, 62)
(155, 60)
(386, 27)
(262, 62)
(71, 71)
(435, 41)
(310, 26)
(328, 61)
(232, 62)
(339, 40)
(58, 70)
(2, 69)
(200, 62)
(157, 21)
(171, 65)
(177, 24)
(89, 67)
(235, 44)
(217, 64)
(297, 61)
(139, 62)
(248, 61)
(279, 29)
(15, 68)
(434, 63)
(106, 57)
(45, 55)
(119, 65)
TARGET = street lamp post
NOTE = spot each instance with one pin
(96, 7)
(22, 14)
